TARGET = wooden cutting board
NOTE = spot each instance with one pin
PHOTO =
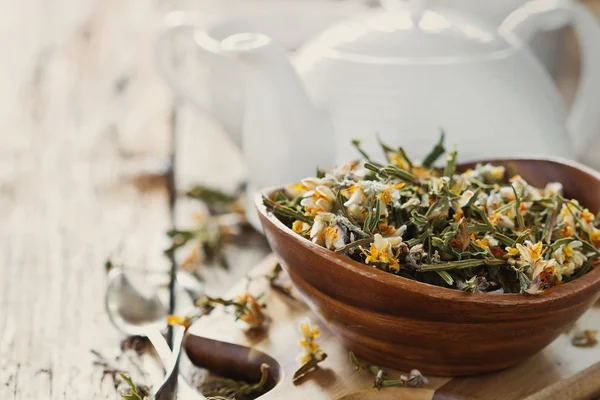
(337, 379)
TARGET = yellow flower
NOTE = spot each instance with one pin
(296, 190)
(253, 313)
(569, 257)
(326, 232)
(390, 193)
(381, 251)
(300, 226)
(530, 253)
(512, 251)
(502, 221)
(310, 348)
(544, 278)
(567, 220)
(459, 203)
(486, 242)
(552, 189)
(493, 172)
(334, 238)
(319, 200)
(397, 159)
(587, 216)
(595, 236)
(179, 320)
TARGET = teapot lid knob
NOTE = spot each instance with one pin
(416, 8)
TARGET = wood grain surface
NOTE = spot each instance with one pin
(336, 377)
(87, 126)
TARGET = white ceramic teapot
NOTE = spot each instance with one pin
(404, 74)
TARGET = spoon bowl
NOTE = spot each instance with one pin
(132, 308)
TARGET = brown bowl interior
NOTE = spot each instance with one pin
(403, 323)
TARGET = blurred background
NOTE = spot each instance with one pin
(111, 109)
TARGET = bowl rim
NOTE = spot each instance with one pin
(563, 291)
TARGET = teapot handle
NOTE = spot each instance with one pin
(185, 24)
(583, 121)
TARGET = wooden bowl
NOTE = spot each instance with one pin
(400, 323)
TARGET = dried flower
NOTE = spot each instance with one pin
(312, 354)
(585, 338)
(246, 308)
(380, 252)
(233, 389)
(415, 378)
(443, 226)
(181, 320)
(134, 392)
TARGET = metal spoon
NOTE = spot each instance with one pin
(137, 310)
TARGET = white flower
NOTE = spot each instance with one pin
(322, 221)
(372, 187)
(553, 188)
(569, 257)
(491, 172)
(437, 184)
(519, 184)
(318, 200)
(494, 201)
(507, 193)
(340, 171)
(326, 231)
(463, 200)
(530, 253)
(300, 226)
(544, 277)
(313, 183)
(411, 203)
(502, 221)
(357, 198)
(381, 251)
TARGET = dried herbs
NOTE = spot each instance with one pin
(134, 392)
(381, 379)
(479, 230)
(229, 388)
(585, 338)
(312, 354)
(222, 219)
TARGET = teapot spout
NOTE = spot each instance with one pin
(285, 137)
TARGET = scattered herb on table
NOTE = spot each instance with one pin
(585, 338)
(381, 379)
(475, 231)
(118, 376)
(277, 282)
(246, 307)
(230, 388)
(223, 219)
(312, 354)
(134, 392)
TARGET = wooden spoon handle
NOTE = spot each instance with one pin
(581, 386)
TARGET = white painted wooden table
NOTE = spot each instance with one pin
(86, 128)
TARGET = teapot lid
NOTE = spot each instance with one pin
(410, 31)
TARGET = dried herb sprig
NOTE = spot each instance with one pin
(214, 228)
(312, 354)
(246, 307)
(479, 230)
(231, 388)
(585, 338)
(381, 380)
(135, 392)
(274, 278)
